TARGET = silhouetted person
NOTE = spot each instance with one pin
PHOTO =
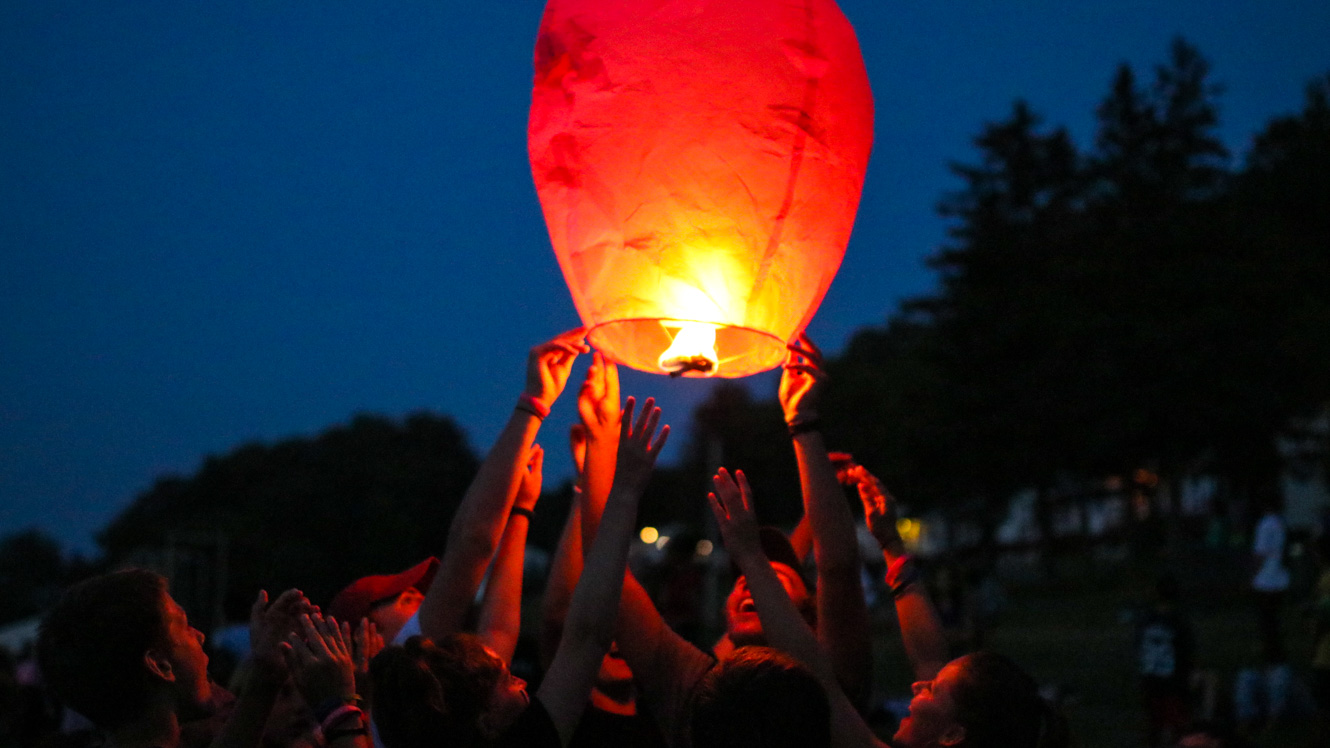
(1271, 577)
(1165, 646)
(118, 650)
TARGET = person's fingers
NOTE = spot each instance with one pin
(611, 379)
(362, 632)
(536, 460)
(352, 638)
(809, 369)
(644, 416)
(339, 637)
(300, 649)
(575, 336)
(260, 604)
(717, 509)
(745, 492)
(289, 655)
(649, 428)
(659, 444)
(626, 421)
(725, 488)
(289, 602)
(314, 638)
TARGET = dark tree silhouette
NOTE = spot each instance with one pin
(374, 496)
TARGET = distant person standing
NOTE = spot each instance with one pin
(1271, 579)
(1165, 644)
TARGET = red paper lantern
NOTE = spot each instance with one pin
(699, 163)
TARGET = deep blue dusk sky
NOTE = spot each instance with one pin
(223, 222)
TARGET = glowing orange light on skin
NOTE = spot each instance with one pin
(699, 165)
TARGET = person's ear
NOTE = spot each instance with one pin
(953, 735)
(159, 665)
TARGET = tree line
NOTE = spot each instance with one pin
(1140, 302)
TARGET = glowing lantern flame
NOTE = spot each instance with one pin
(692, 350)
(699, 164)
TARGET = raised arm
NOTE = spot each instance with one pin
(665, 666)
(501, 609)
(594, 402)
(785, 629)
(921, 629)
(842, 613)
(482, 515)
(589, 627)
(567, 564)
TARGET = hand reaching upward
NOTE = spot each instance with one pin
(732, 503)
(802, 382)
(549, 364)
(598, 400)
(637, 452)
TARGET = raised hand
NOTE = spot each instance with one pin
(598, 400)
(365, 642)
(269, 625)
(637, 452)
(529, 490)
(549, 364)
(802, 381)
(732, 503)
(320, 660)
(879, 508)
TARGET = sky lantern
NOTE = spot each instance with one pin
(699, 163)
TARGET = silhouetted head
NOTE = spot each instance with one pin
(981, 700)
(115, 642)
(760, 698)
(456, 693)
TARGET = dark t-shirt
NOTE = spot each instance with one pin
(1164, 645)
(602, 729)
(533, 729)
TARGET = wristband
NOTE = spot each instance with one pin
(329, 737)
(330, 705)
(902, 573)
(523, 511)
(338, 714)
(803, 427)
(533, 406)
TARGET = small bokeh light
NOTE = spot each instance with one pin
(649, 534)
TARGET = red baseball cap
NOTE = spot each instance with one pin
(355, 601)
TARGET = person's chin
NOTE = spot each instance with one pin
(748, 636)
(902, 737)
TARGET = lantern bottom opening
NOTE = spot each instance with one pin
(639, 343)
